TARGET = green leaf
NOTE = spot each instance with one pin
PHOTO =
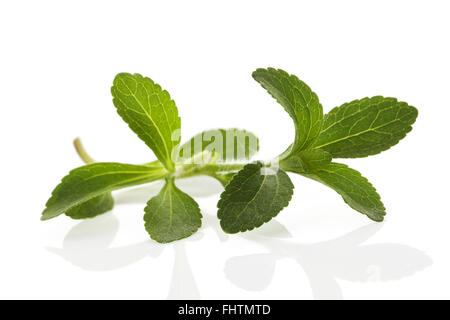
(305, 161)
(150, 113)
(171, 215)
(93, 180)
(226, 144)
(254, 196)
(299, 101)
(92, 207)
(365, 127)
(356, 190)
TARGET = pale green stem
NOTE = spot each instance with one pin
(82, 152)
(190, 170)
(211, 169)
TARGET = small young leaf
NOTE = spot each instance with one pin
(92, 207)
(365, 127)
(305, 161)
(356, 190)
(227, 144)
(299, 101)
(253, 197)
(93, 180)
(149, 112)
(172, 215)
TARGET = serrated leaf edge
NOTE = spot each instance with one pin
(222, 198)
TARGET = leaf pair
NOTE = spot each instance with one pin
(83, 192)
(153, 116)
(149, 111)
(356, 129)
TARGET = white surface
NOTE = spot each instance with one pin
(57, 62)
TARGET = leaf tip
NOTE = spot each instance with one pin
(44, 217)
(377, 218)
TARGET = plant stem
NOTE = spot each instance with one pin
(223, 167)
(211, 169)
(190, 170)
(82, 152)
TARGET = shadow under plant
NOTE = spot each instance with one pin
(346, 258)
(88, 246)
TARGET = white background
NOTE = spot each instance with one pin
(57, 63)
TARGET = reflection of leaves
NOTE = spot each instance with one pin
(183, 282)
(87, 246)
(108, 259)
(273, 229)
(378, 262)
(212, 222)
(325, 262)
(353, 238)
(381, 262)
(92, 234)
(323, 287)
(254, 281)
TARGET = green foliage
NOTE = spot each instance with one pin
(171, 215)
(150, 113)
(92, 207)
(299, 101)
(356, 190)
(255, 192)
(254, 196)
(224, 145)
(305, 161)
(365, 127)
(93, 180)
